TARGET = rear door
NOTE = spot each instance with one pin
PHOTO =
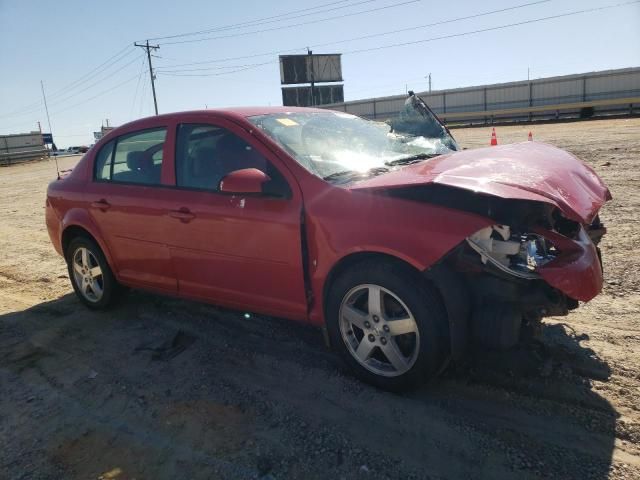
(243, 251)
(127, 203)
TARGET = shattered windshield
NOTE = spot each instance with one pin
(341, 147)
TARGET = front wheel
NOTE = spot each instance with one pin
(388, 324)
(90, 275)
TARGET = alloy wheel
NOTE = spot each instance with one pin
(379, 330)
(88, 274)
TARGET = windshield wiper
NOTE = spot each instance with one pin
(411, 159)
(350, 174)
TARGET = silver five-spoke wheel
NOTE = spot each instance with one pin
(379, 330)
(88, 274)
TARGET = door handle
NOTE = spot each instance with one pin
(101, 204)
(183, 214)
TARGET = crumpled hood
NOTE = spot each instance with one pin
(525, 171)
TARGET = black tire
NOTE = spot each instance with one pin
(110, 287)
(424, 303)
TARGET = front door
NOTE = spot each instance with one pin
(128, 205)
(243, 251)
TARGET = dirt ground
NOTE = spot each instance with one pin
(165, 389)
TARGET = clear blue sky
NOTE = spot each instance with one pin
(60, 42)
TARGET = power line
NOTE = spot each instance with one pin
(442, 37)
(216, 67)
(243, 57)
(38, 105)
(68, 97)
(231, 69)
(130, 79)
(135, 94)
(434, 24)
(282, 27)
(441, 22)
(64, 99)
(248, 67)
(82, 102)
(500, 27)
(251, 22)
(142, 97)
(35, 106)
(121, 55)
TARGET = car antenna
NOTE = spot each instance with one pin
(55, 157)
(55, 153)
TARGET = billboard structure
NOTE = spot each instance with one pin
(311, 69)
(103, 131)
(301, 96)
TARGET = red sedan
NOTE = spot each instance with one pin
(403, 248)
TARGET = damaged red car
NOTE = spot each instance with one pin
(401, 246)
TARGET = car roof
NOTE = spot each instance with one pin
(239, 113)
(252, 111)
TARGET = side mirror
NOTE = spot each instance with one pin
(246, 180)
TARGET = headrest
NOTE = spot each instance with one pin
(136, 160)
(204, 154)
(233, 143)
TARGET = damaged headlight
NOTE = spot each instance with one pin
(535, 251)
(519, 254)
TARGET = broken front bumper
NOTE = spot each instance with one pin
(577, 272)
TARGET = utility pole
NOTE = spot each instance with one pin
(429, 82)
(312, 74)
(148, 48)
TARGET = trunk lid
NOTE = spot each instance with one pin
(522, 171)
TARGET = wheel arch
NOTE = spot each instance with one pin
(354, 258)
(73, 226)
(71, 232)
(450, 287)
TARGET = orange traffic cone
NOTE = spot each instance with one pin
(494, 139)
(530, 137)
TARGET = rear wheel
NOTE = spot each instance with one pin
(90, 275)
(388, 324)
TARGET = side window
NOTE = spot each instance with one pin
(205, 154)
(102, 170)
(138, 157)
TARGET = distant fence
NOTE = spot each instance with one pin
(571, 96)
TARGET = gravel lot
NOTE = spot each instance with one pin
(163, 388)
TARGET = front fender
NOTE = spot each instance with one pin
(347, 222)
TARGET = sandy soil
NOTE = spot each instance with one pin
(163, 388)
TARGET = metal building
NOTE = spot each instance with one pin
(571, 96)
(21, 147)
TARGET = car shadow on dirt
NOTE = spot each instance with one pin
(168, 388)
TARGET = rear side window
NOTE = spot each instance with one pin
(206, 153)
(132, 158)
(103, 162)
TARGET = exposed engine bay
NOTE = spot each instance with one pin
(518, 254)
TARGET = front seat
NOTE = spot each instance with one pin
(236, 154)
(204, 170)
(140, 169)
